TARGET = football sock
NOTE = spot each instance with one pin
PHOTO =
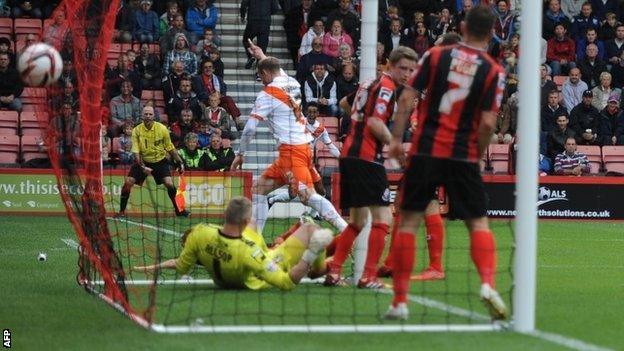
(483, 253)
(403, 251)
(395, 228)
(344, 243)
(171, 191)
(376, 241)
(123, 200)
(259, 211)
(279, 197)
(435, 240)
(327, 211)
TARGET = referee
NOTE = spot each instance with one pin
(150, 145)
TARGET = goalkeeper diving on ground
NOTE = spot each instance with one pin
(236, 256)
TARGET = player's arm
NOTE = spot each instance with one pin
(136, 150)
(377, 121)
(168, 264)
(246, 137)
(333, 150)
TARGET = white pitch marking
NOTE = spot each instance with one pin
(572, 343)
(162, 230)
(70, 242)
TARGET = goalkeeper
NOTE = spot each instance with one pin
(237, 257)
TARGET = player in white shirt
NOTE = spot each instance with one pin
(279, 105)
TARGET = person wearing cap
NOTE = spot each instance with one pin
(603, 91)
(585, 120)
(573, 89)
(612, 124)
(146, 23)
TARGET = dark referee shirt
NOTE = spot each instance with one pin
(459, 82)
(374, 99)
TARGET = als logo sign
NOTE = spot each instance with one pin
(546, 195)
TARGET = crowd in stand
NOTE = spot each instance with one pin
(582, 61)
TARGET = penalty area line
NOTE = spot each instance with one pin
(145, 225)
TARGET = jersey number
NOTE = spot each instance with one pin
(460, 87)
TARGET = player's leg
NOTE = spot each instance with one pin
(260, 206)
(385, 270)
(307, 243)
(344, 244)
(136, 175)
(162, 175)
(434, 225)
(381, 216)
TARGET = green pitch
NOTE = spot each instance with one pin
(580, 275)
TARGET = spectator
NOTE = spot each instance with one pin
(124, 107)
(208, 83)
(69, 96)
(181, 52)
(5, 48)
(27, 8)
(29, 39)
(603, 92)
(556, 138)
(615, 46)
(186, 124)
(258, 13)
(349, 20)
(602, 8)
(126, 156)
(573, 89)
(462, 10)
(418, 38)
(171, 81)
(54, 34)
(443, 24)
(504, 26)
(146, 26)
(105, 146)
(68, 74)
(382, 58)
(184, 99)
(383, 22)
(124, 24)
(607, 29)
(132, 55)
(570, 161)
(64, 131)
(317, 30)
(345, 58)
(394, 37)
(320, 9)
(612, 124)
(166, 20)
(314, 57)
(190, 154)
(147, 65)
(10, 85)
(320, 87)
(591, 37)
(592, 66)
(347, 82)
(561, 51)
(583, 21)
(333, 39)
(547, 85)
(585, 120)
(217, 63)
(217, 116)
(571, 8)
(216, 158)
(296, 26)
(553, 17)
(121, 73)
(551, 111)
(506, 122)
(167, 41)
(206, 44)
(205, 133)
(227, 153)
(203, 15)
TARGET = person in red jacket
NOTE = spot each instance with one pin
(560, 53)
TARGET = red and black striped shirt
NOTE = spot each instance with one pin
(459, 82)
(374, 99)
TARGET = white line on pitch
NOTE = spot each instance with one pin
(162, 230)
(572, 343)
(70, 242)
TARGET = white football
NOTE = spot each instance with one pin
(40, 65)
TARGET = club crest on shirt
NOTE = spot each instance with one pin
(386, 195)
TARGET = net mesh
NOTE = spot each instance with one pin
(109, 247)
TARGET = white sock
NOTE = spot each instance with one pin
(259, 211)
(311, 212)
(281, 196)
(327, 211)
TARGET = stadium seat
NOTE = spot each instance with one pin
(593, 155)
(327, 162)
(25, 26)
(30, 147)
(9, 149)
(30, 125)
(498, 155)
(6, 27)
(164, 119)
(9, 123)
(33, 96)
(330, 123)
(613, 158)
(147, 95)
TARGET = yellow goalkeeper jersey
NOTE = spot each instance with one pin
(152, 144)
(236, 263)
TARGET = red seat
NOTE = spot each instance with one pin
(30, 147)
(6, 27)
(594, 156)
(25, 26)
(330, 123)
(30, 124)
(9, 122)
(498, 155)
(147, 95)
(613, 158)
(33, 96)
(9, 148)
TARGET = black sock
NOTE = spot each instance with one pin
(125, 195)
(171, 191)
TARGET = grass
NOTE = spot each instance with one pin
(580, 275)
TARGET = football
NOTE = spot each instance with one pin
(40, 65)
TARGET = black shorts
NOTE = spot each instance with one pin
(462, 181)
(160, 170)
(362, 184)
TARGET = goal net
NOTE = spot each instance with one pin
(91, 173)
